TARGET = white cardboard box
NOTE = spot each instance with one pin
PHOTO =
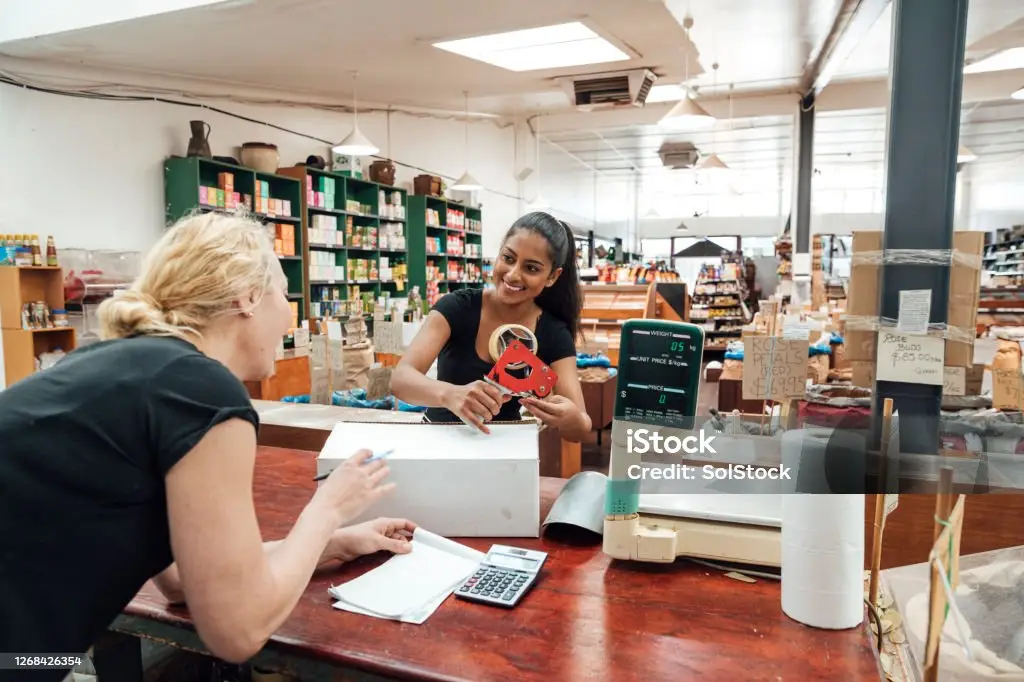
(450, 478)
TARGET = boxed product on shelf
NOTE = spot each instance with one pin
(434, 271)
(473, 273)
(391, 205)
(473, 225)
(434, 245)
(433, 218)
(323, 266)
(324, 230)
(454, 245)
(392, 236)
(473, 250)
(284, 238)
(456, 219)
(865, 282)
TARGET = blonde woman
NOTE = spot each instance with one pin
(133, 459)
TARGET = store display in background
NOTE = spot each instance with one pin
(25, 250)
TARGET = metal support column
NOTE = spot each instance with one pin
(804, 173)
(927, 61)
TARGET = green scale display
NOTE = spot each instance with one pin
(657, 386)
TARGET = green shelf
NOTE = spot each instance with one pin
(183, 177)
(367, 195)
(419, 228)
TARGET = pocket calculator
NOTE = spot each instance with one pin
(503, 577)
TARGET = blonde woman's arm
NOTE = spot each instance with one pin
(238, 592)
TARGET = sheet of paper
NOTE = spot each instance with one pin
(407, 585)
(915, 308)
(911, 359)
(985, 350)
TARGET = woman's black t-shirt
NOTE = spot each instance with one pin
(459, 363)
(84, 448)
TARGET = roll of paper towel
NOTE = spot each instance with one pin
(822, 536)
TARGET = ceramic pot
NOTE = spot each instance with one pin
(260, 156)
(383, 172)
(199, 143)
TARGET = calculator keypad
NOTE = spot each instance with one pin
(495, 584)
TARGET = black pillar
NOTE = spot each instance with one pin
(590, 249)
(804, 173)
(927, 62)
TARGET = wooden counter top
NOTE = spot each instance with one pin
(589, 617)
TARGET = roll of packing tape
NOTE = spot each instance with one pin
(504, 335)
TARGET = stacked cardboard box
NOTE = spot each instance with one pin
(862, 301)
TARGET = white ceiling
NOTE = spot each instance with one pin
(762, 47)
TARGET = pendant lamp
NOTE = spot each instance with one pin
(965, 155)
(356, 144)
(687, 114)
(467, 183)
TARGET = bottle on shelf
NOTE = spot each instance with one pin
(51, 252)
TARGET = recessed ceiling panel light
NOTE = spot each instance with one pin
(666, 93)
(1004, 60)
(547, 47)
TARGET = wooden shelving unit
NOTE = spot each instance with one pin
(344, 226)
(719, 305)
(607, 306)
(18, 286)
(441, 268)
(186, 180)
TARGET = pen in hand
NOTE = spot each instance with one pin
(374, 458)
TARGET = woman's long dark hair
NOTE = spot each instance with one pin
(563, 299)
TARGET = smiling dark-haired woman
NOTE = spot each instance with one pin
(535, 285)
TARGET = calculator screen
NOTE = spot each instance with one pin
(506, 561)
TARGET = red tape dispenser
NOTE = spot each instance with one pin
(540, 380)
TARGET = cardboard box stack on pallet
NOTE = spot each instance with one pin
(865, 281)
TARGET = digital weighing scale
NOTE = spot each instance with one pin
(657, 388)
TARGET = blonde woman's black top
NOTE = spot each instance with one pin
(84, 447)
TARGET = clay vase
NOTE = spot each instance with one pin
(383, 172)
(199, 144)
(260, 156)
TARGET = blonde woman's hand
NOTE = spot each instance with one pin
(354, 486)
(369, 537)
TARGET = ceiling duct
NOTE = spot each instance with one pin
(608, 90)
(679, 155)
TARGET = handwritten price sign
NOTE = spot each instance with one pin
(911, 359)
(774, 368)
(1007, 389)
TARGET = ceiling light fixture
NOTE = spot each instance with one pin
(687, 114)
(665, 93)
(356, 144)
(532, 49)
(467, 183)
(965, 155)
(1004, 60)
(1017, 94)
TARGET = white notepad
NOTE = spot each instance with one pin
(410, 587)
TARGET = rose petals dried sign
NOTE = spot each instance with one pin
(774, 368)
